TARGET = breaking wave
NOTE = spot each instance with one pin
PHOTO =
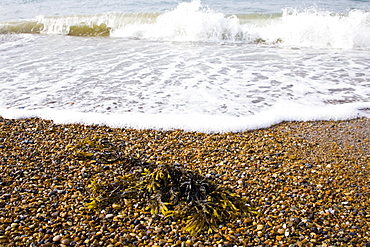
(190, 21)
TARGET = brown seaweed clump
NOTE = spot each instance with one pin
(169, 190)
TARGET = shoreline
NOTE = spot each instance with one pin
(309, 180)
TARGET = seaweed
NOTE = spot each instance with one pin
(98, 149)
(173, 191)
(169, 190)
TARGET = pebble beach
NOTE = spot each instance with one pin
(309, 182)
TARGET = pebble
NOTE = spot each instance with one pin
(65, 241)
(55, 214)
(57, 238)
(116, 206)
(43, 189)
(259, 227)
(309, 165)
(109, 216)
(14, 225)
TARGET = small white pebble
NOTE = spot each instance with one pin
(109, 216)
(57, 238)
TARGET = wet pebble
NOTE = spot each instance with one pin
(57, 238)
(305, 195)
(65, 241)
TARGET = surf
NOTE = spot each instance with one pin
(193, 22)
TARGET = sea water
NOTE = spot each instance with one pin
(210, 66)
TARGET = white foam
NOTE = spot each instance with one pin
(198, 122)
(307, 28)
(223, 84)
(191, 21)
(314, 28)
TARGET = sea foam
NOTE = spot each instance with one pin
(198, 122)
(190, 68)
(193, 22)
(309, 27)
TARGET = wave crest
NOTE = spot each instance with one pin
(191, 21)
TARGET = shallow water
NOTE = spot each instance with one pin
(189, 65)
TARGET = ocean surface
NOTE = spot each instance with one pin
(208, 66)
